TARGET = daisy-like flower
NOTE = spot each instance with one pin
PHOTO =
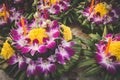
(54, 6)
(40, 45)
(108, 52)
(100, 13)
(8, 14)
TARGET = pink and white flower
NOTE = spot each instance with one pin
(107, 53)
(101, 13)
(54, 7)
(8, 15)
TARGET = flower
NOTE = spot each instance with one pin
(40, 45)
(67, 32)
(4, 14)
(8, 14)
(100, 13)
(108, 52)
(22, 62)
(45, 66)
(101, 8)
(54, 6)
(7, 51)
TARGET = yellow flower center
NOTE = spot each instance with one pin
(67, 33)
(39, 34)
(114, 49)
(101, 8)
(7, 51)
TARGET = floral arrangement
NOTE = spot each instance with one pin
(100, 13)
(103, 58)
(108, 52)
(38, 47)
(36, 42)
(53, 6)
(8, 15)
(103, 14)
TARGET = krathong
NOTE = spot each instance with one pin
(108, 52)
(38, 47)
(100, 12)
(54, 6)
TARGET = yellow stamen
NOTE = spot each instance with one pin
(37, 33)
(23, 26)
(108, 46)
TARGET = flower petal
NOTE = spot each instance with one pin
(25, 50)
(42, 49)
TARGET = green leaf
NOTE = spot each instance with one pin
(95, 36)
(12, 69)
(92, 71)
(65, 20)
(86, 63)
(111, 27)
(22, 76)
(70, 20)
(88, 53)
(87, 42)
(30, 16)
(16, 73)
(104, 32)
(84, 22)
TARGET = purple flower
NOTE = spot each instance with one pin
(8, 15)
(45, 66)
(31, 69)
(107, 53)
(101, 13)
(54, 7)
(64, 53)
(17, 59)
